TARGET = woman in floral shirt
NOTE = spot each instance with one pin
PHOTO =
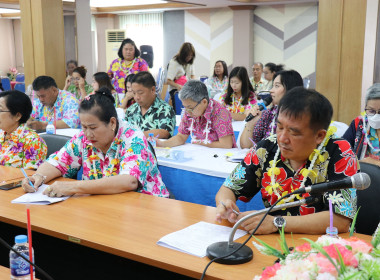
(240, 95)
(219, 81)
(114, 155)
(19, 146)
(129, 62)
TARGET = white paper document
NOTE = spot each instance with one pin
(196, 238)
(38, 197)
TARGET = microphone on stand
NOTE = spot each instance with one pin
(359, 181)
(243, 254)
(262, 106)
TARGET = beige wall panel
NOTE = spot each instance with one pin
(354, 13)
(329, 50)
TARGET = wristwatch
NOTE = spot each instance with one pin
(279, 222)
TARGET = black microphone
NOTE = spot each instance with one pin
(359, 181)
(266, 102)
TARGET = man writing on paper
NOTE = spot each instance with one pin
(53, 104)
(301, 154)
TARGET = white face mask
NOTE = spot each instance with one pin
(374, 121)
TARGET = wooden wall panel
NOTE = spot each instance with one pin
(340, 47)
(43, 39)
(330, 16)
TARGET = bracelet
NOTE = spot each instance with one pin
(43, 177)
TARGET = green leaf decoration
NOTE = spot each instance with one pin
(270, 251)
(352, 228)
(322, 251)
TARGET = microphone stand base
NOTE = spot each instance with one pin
(220, 249)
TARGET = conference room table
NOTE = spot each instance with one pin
(128, 226)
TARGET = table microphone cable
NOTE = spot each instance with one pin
(44, 274)
(246, 241)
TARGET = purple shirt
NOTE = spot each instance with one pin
(215, 123)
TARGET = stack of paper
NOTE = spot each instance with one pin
(38, 197)
(196, 238)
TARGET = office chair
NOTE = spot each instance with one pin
(20, 87)
(54, 142)
(6, 83)
(147, 54)
(368, 200)
(20, 78)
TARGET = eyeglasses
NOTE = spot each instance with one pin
(190, 110)
(1, 111)
(372, 112)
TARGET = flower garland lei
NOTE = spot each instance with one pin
(206, 131)
(314, 156)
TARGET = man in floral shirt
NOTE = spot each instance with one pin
(301, 154)
(53, 104)
(150, 113)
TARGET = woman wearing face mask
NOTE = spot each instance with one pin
(364, 132)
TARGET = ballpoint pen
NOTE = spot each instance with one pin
(26, 176)
(233, 210)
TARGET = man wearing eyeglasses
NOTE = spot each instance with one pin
(364, 132)
(206, 121)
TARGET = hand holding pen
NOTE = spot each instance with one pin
(225, 210)
(27, 183)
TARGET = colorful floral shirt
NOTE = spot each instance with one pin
(215, 86)
(160, 115)
(66, 109)
(261, 85)
(128, 154)
(215, 123)
(119, 71)
(236, 106)
(73, 89)
(25, 148)
(265, 125)
(253, 175)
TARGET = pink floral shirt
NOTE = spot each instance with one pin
(215, 123)
(25, 148)
(128, 154)
(119, 70)
(236, 106)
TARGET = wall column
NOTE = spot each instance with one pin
(86, 50)
(43, 39)
(103, 22)
(340, 47)
(243, 36)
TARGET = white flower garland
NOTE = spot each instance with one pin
(206, 131)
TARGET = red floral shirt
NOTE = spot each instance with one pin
(251, 176)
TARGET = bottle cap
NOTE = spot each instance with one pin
(21, 239)
(151, 134)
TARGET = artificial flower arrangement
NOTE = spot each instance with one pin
(328, 258)
(12, 73)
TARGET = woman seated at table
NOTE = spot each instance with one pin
(79, 87)
(114, 155)
(363, 133)
(101, 79)
(206, 121)
(219, 80)
(240, 95)
(129, 96)
(264, 122)
(270, 70)
(19, 145)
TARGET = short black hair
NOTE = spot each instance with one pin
(225, 69)
(43, 82)
(128, 41)
(289, 79)
(81, 70)
(102, 103)
(145, 79)
(241, 73)
(274, 68)
(18, 102)
(300, 101)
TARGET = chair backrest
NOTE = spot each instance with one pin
(368, 201)
(20, 78)
(20, 87)
(147, 54)
(6, 83)
(54, 142)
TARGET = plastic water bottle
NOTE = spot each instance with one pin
(20, 269)
(151, 140)
(182, 112)
(50, 129)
